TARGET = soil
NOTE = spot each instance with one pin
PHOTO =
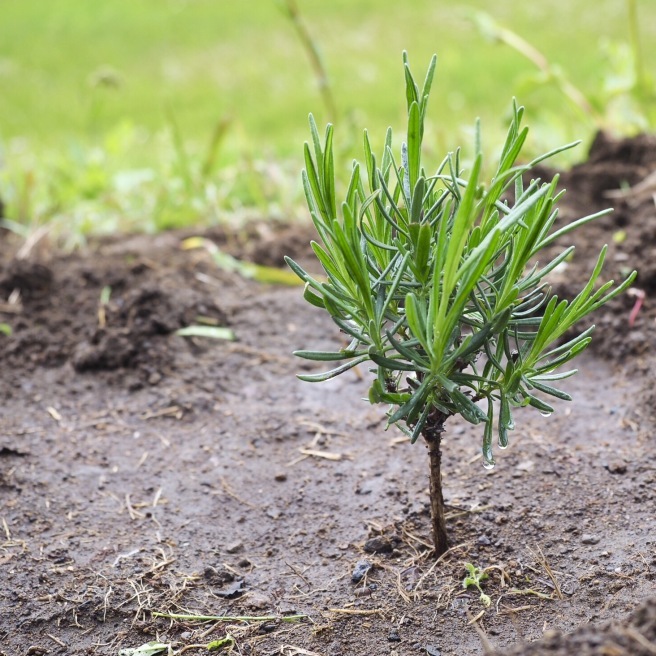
(142, 472)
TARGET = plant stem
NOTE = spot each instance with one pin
(432, 434)
(291, 9)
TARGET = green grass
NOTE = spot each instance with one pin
(92, 88)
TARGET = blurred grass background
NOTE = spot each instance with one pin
(145, 115)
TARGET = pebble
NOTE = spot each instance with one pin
(335, 648)
(432, 650)
(359, 571)
(588, 538)
(273, 513)
(379, 544)
(394, 636)
(616, 467)
(484, 541)
(259, 601)
(235, 547)
(280, 477)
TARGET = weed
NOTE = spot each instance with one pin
(475, 576)
(623, 102)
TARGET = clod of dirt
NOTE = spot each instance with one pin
(106, 351)
(235, 547)
(218, 575)
(588, 538)
(31, 279)
(379, 544)
(635, 636)
(259, 601)
(616, 467)
(393, 636)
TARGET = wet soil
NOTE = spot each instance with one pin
(142, 472)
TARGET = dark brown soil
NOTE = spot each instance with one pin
(143, 472)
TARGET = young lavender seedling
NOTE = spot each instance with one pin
(435, 279)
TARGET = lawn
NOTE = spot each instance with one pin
(169, 96)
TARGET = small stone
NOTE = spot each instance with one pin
(273, 513)
(335, 648)
(394, 636)
(616, 467)
(432, 650)
(218, 575)
(379, 544)
(484, 541)
(280, 477)
(588, 538)
(360, 570)
(244, 562)
(235, 547)
(258, 601)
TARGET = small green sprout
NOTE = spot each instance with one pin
(475, 576)
(440, 282)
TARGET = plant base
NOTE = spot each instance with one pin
(432, 434)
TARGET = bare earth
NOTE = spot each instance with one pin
(142, 472)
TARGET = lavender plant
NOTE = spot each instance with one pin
(435, 278)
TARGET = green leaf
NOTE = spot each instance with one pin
(547, 389)
(148, 649)
(416, 320)
(415, 404)
(414, 144)
(320, 378)
(312, 298)
(327, 356)
(211, 332)
(390, 363)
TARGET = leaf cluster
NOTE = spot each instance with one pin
(437, 281)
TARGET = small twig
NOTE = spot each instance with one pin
(291, 9)
(529, 591)
(230, 618)
(516, 609)
(299, 574)
(5, 528)
(172, 411)
(487, 645)
(353, 611)
(470, 511)
(61, 643)
(473, 620)
(296, 651)
(326, 455)
(134, 514)
(543, 561)
(229, 491)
